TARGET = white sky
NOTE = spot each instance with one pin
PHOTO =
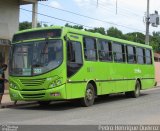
(129, 17)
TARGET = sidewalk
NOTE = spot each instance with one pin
(6, 101)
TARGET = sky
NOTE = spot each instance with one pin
(127, 17)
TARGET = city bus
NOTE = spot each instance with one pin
(62, 63)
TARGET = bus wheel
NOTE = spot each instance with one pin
(136, 92)
(89, 98)
(44, 103)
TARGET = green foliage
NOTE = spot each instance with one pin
(74, 26)
(136, 37)
(114, 32)
(100, 30)
(27, 25)
(155, 41)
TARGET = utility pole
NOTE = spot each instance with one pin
(147, 25)
(34, 14)
(116, 7)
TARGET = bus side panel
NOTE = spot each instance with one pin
(147, 83)
(75, 90)
(132, 75)
(120, 75)
(148, 80)
(107, 87)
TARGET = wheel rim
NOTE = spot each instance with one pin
(89, 94)
(137, 89)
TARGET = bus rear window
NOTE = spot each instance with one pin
(52, 33)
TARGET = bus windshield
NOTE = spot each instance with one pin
(35, 58)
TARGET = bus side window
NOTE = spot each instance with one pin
(118, 52)
(74, 57)
(148, 56)
(104, 50)
(131, 55)
(140, 55)
(90, 49)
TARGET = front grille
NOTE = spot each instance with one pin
(39, 95)
(32, 82)
(33, 89)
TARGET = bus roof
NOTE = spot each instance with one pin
(85, 33)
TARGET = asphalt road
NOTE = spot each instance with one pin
(116, 109)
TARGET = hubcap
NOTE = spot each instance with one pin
(89, 94)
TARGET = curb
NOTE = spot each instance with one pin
(11, 104)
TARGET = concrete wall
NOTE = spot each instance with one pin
(157, 72)
(9, 18)
(9, 23)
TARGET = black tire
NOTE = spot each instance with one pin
(89, 98)
(44, 103)
(136, 92)
(128, 94)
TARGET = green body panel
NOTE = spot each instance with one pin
(109, 77)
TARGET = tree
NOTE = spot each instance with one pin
(100, 30)
(155, 41)
(114, 32)
(136, 37)
(27, 25)
(74, 26)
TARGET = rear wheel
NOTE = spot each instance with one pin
(44, 103)
(89, 97)
(136, 92)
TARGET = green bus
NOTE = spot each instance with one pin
(62, 63)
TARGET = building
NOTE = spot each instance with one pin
(9, 23)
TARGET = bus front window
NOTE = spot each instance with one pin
(34, 58)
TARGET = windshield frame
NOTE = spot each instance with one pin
(31, 42)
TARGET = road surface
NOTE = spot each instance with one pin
(116, 109)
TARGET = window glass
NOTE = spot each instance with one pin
(118, 52)
(131, 54)
(90, 49)
(74, 52)
(104, 49)
(35, 58)
(148, 56)
(74, 57)
(50, 33)
(140, 56)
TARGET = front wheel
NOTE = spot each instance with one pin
(89, 97)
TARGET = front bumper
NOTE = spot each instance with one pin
(57, 93)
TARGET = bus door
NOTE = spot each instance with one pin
(75, 73)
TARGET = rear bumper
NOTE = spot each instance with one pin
(57, 93)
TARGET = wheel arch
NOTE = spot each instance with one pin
(94, 85)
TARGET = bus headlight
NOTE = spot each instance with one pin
(55, 83)
(13, 85)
